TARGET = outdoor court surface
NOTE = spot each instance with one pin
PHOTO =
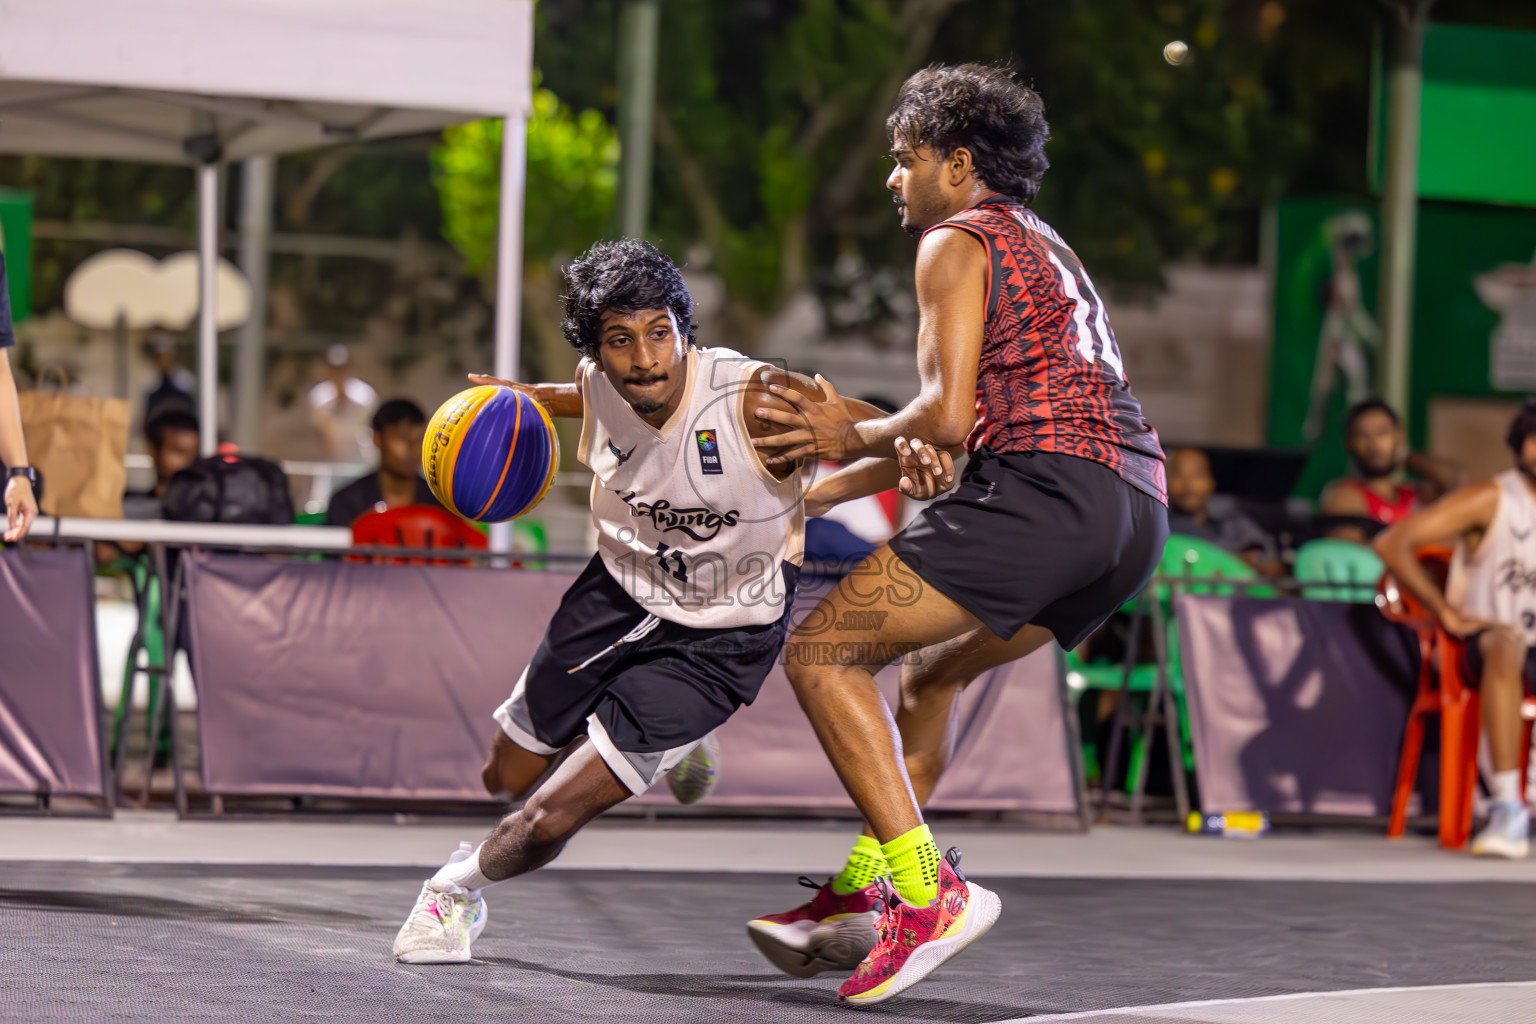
(124, 937)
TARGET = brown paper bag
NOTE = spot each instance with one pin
(77, 443)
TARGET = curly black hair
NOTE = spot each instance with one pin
(163, 419)
(1523, 426)
(624, 276)
(398, 410)
(1366, 405)
(980, 108)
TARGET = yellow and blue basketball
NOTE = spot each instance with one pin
(490, 454)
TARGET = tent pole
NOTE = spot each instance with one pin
(207, 308)
(509, 267)
(255, 231)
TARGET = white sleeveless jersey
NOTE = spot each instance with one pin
(688, 521)
(1497, 582)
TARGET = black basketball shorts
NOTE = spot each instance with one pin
(1037, 538)
(644, 690)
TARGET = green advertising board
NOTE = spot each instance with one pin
(1474, 316)
(16, 243)
(1477, 116)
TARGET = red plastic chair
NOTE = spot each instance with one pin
(1442, 691)
(415, 526)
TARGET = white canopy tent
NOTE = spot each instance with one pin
(202, 82)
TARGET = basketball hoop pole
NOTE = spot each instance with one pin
(1404, 50)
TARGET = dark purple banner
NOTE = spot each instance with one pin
(342, 679)
(50, 732)
(1296, 706)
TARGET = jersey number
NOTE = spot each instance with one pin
(678, 570)
(1093, 337)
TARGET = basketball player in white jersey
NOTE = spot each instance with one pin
(1490, 602)
(677, 620)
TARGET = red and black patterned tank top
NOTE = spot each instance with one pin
(1050, 377)
(1404, 500)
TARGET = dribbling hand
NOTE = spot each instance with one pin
(531, 390)
(926, 471)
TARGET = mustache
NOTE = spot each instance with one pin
(899, 201)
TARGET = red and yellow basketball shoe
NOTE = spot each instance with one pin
(832, 932)
(915, 941)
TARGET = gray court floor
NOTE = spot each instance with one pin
(161, 942)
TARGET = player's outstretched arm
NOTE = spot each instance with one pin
(562, 400)
(920, 471)
(952, 301)
(857, 480)
(1468, 510)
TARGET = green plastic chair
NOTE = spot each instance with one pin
(1204, 564)
(148, 638)
(1349, 571)
(1109, 675)
(1186, 556)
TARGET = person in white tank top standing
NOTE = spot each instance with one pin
(679, 617)
(1490, 602)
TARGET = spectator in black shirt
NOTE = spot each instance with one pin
(173, 444)
(398, 429)
(20, 501)
(1194, 509)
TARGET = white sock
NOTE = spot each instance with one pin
(1506, 786)
(466, 872)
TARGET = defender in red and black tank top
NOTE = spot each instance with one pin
(1051, 378)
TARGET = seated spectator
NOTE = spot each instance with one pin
(398, 428)
(1490, 603)
(1357, 507)
(1196, 510)
(173, 438)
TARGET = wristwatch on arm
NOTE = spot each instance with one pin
(30, 473)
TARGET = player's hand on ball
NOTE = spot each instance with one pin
(822, 429)
(531, 390)
(926, 471)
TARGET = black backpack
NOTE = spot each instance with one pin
(229, 489)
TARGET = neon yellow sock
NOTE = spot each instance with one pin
(865, 864)
(914, 861)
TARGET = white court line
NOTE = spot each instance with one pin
(1159, 1008)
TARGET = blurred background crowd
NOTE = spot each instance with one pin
(1221, 190)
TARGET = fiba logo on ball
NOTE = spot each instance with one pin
(490, 454)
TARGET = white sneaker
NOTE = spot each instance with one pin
(1507, 834)
(441, 926)
(695, 775)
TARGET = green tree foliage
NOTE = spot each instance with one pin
(1155, 161)
(572, 174)
(769, 133)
